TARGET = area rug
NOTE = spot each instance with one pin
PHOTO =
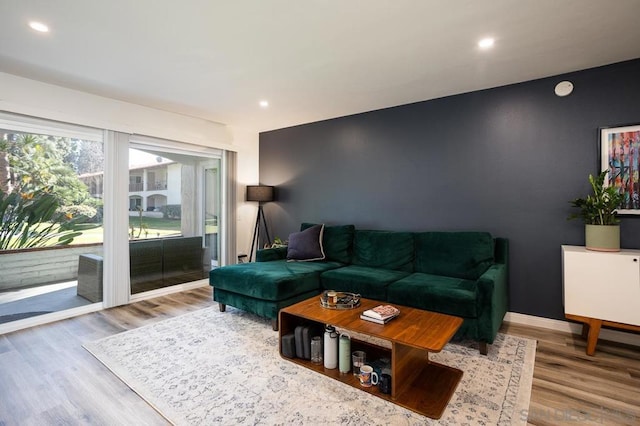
(209, 367)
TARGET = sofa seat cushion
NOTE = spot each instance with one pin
(447, 295)
(275, 280)
(454, 254)
(369, 282)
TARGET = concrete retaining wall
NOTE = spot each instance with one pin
(27, 268)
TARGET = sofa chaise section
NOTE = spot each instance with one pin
(264, 288)
(272, 282)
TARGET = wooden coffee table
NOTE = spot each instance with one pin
(418, 384)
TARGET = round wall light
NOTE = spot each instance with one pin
(564, 88)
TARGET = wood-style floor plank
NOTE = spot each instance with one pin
(47, 378)
(570, 387)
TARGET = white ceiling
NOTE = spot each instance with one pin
(313, 59)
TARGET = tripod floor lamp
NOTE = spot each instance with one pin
(261, 194)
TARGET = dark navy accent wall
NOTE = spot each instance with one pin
(504, 160)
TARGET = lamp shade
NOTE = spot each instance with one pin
(262, 193)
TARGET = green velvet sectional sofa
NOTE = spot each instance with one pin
(458, 273)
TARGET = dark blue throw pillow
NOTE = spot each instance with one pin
(306, 245)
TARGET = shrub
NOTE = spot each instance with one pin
(172, 211)
(31, 218)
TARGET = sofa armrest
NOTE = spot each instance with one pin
(493, 300)
(501, 251)
(265, 255)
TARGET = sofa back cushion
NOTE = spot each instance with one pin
(384, 249)
(464, 255)
(337, 241)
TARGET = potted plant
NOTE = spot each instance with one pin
(599, 213)
(278, 242)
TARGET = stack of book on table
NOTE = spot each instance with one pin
(381, 314)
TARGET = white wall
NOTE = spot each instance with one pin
(44, 100)
(174, 189)
(248, 174)
(34, 98)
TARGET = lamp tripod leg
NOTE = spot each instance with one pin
(266, 230)
(256, 234)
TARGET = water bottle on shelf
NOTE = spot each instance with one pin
(344, 353)
(330, 347)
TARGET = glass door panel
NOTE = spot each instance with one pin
(212, 202)
(53, 261)
(173, 227)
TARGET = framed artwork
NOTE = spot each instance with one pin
(620, 153)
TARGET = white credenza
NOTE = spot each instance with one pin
(601, 288)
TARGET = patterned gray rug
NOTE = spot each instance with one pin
(208, 367)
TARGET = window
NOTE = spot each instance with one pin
(51, 184)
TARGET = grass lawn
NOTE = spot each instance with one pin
(156, 227)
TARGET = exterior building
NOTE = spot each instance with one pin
(151, 187)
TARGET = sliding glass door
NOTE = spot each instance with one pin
(91, 216)
(174, 200)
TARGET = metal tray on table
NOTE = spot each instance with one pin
(345, 300)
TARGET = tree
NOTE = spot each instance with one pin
(5, 170)
(42, 200)
(44, 162)
(40, 161)
(90, 157)
(5, 176)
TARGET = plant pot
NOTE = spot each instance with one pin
(602, 237)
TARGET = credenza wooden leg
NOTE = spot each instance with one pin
(594, 332)
(591, 329)
(585, 330)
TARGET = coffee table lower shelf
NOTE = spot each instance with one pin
(418, 384)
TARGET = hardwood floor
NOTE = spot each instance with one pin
(47, 378)
(570, 387)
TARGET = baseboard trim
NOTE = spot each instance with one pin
(168, 290)
(628, 338)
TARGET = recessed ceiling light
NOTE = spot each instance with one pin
(264, 104)
(486, 43)
(39, 26)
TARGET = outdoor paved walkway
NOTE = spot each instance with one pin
(27, 302)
